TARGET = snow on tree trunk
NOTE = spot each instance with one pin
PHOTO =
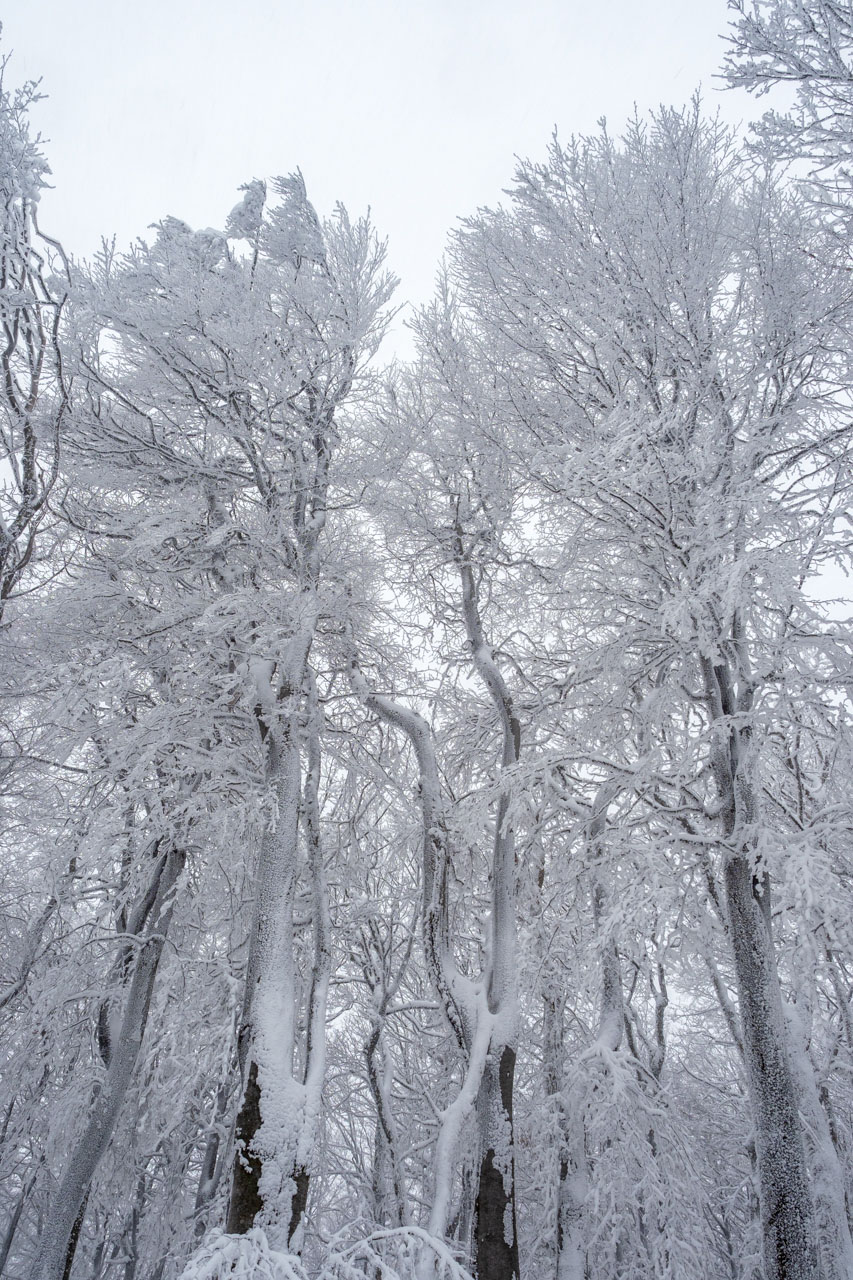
(833, 1230)
(55, 1250)
(787, 1216)
(495, 1229)
(572, 1181)
(270, 1178)
(786, 1208)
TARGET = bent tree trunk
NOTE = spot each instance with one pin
(482, 1016)
(55, 1252)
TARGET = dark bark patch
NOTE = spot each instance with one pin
(246, 1202)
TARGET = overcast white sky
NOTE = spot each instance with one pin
(414, 107)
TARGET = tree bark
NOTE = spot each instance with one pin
(495, 1229)
(55, 1252)
(787, 1214)
(278, 1113)
(263, 1186)
(786, 1208)
(835, 1246)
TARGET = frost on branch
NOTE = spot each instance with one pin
(246, 1257)
(394, 1254)
(244, 220)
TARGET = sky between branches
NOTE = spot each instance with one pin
(414, 108)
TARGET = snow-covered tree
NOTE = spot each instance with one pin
(676, 359)
(34, 392)
(216, 374)
(806, 44)
(426, 806)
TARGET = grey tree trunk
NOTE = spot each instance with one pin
(787, 1218)
(55, 1252)
(787, 1214)
(569, 1250)
(835, 1246)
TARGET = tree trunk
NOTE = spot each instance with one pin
(787, 1216)
(786, 1206)
(246, 1203)
(495, 1232)
(211, 1164)
(833, 1230)
(482, 1016)
(569, 1250)
(55, 1252)
(278, 1114)
(264, 1187)
(12, 1227)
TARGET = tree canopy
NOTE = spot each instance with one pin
(426, 785)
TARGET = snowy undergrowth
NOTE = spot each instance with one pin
(247, 1257)
(394, 1254)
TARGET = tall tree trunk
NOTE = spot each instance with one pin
(495, 1230)
(264, 1187)
(211, 1163)
(321, 964)
(389, 1191)
(278, 1115)
(56, 1247)
(786, 1207)
(787, 1215)
(277, 1118)
(833, 1230)
(569, 1250)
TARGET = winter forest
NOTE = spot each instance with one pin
(426, 784)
